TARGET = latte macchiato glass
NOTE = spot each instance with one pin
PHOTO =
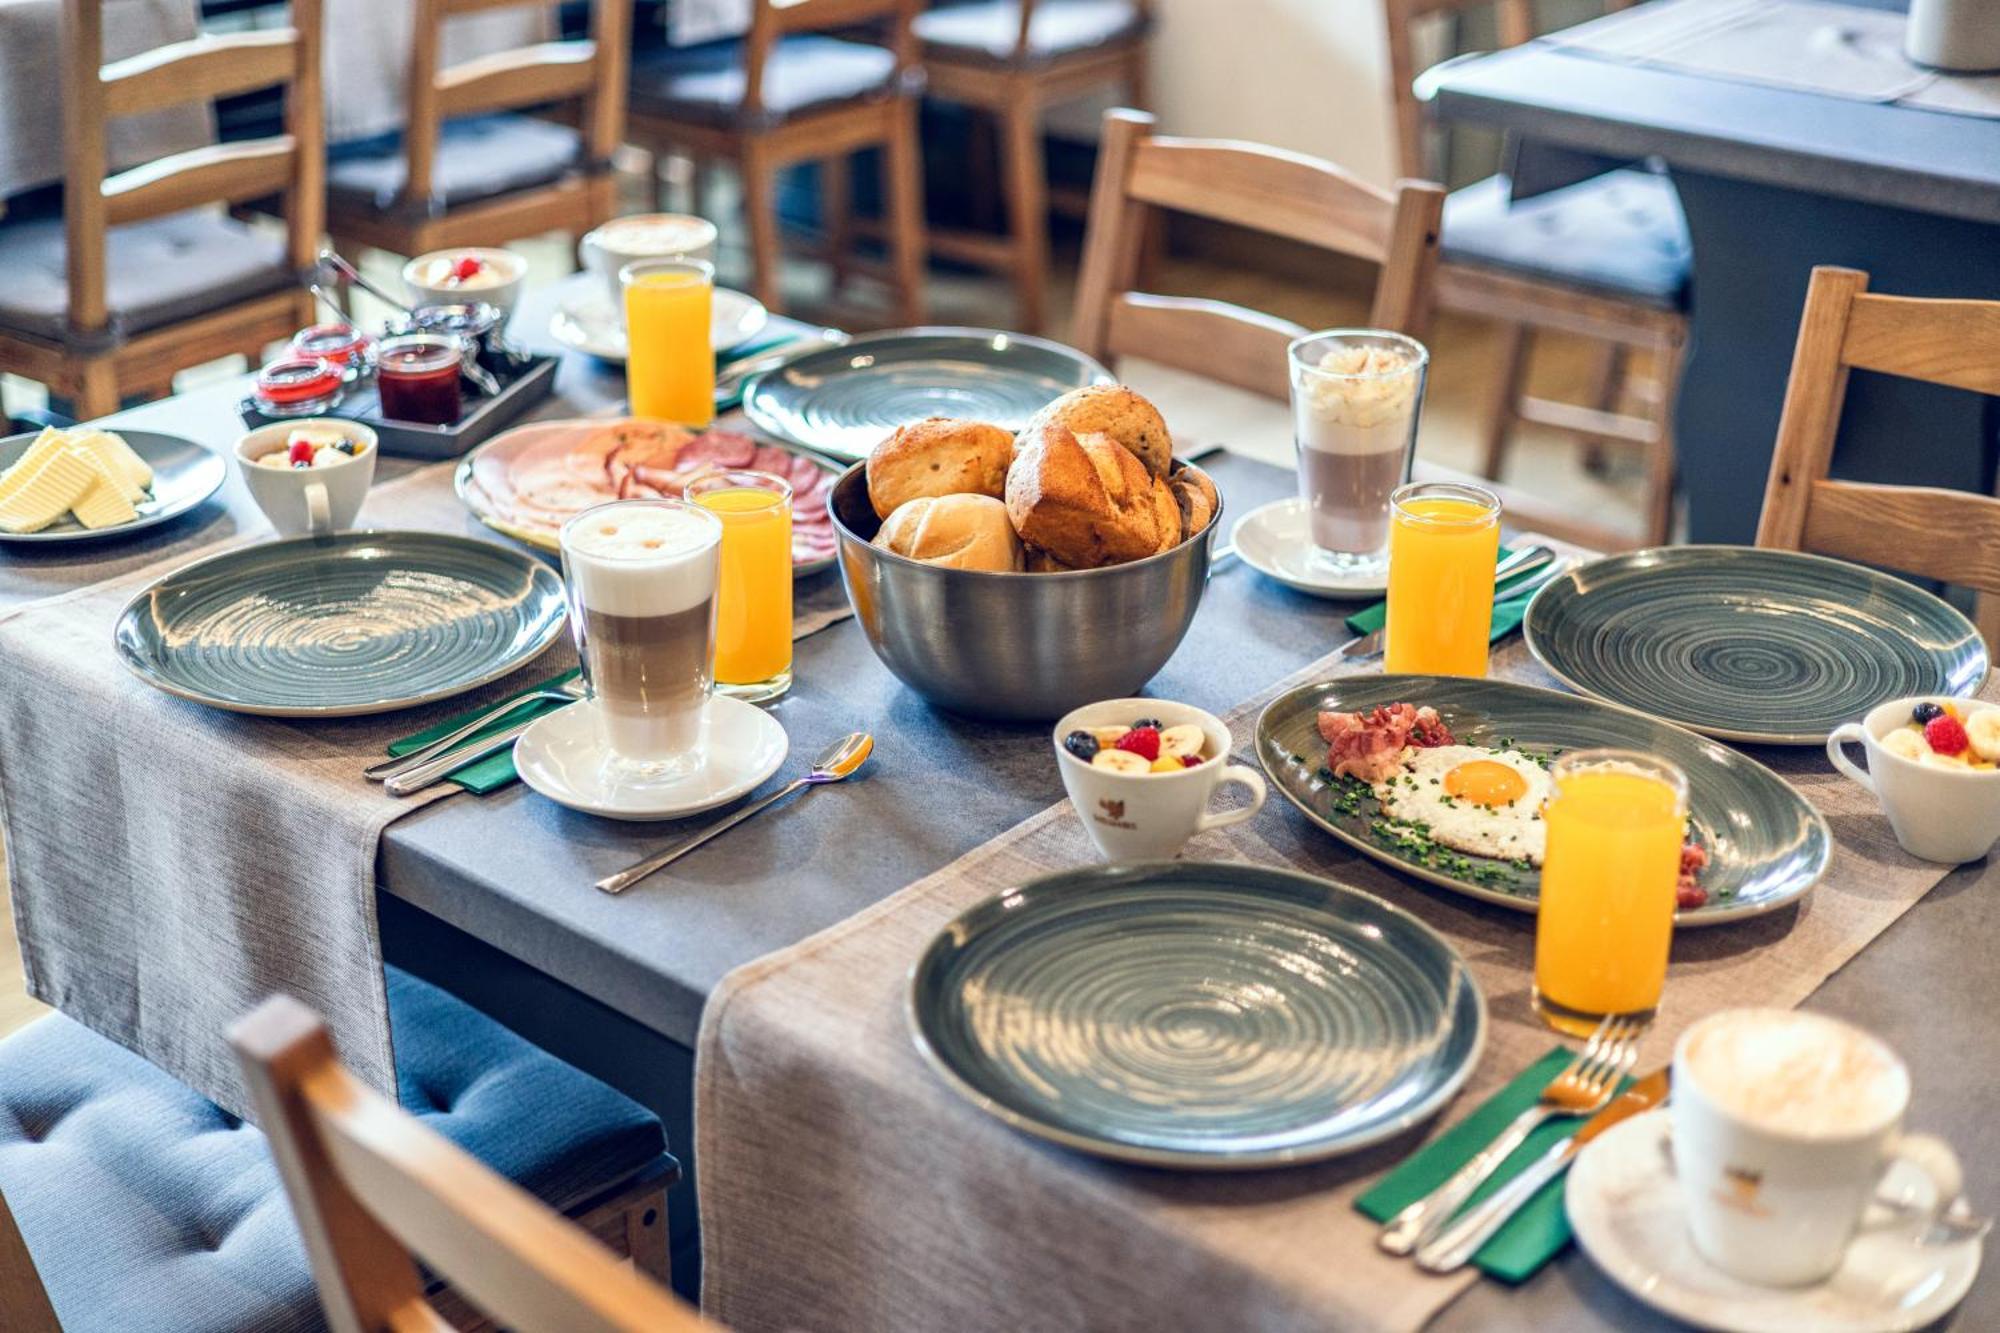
(1356, 395)
(642, 579)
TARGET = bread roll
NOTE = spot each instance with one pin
(1121, 413)
(938, 456)
(956, 531)
(1197, 498)
(1087, 500)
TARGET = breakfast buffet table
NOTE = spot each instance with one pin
(492, 896)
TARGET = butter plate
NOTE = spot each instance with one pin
(184, 475)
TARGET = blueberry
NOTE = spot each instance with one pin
(1152, 722)
(1081, 744)
(346, 447)
(1925, 712)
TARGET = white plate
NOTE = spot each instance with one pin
(586, 320)
(562, 756)
(1625, 1208)
(1276, 541)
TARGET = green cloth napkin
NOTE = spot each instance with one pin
(1507, 611)
(496, 770)
(1540, 1230)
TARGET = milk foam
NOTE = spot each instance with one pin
(652, 236)
(642, 559)
(1361, 389)
(1797, 1073)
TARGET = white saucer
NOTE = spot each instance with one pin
(586, 320)
(562, 756)
(1625, 1208)
(1275, 540)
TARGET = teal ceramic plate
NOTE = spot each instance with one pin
(1765, 647)
(842, 400)
(1197, 1014)
(1765, 845)
(335, 626)
(184, 474)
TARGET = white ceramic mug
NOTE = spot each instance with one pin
(499, 286)
(604, 253)
(1150, 816)
(1774, 1202)
(1939, 814)
(299, 501)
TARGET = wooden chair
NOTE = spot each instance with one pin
(469, 168)
(1269, 190)
(1605, 260)
(1013, 59)
(136, 280)
(24, 1303)
(376, 1192)
(1924, 530)
(789, 92)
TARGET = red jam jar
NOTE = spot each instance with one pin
(417, 377)
(343, 344)
(299, 386)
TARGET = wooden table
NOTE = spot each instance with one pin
(1773, 182)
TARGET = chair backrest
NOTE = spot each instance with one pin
(292, 164)
(1265, 189)
(375, 1190)
(772, 20)
(1924, 530)
(24, 1302)
(588, 72)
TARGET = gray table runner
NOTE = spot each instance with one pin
(844, 1187)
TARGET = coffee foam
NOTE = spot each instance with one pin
(1364, 387)
(653, 236)
(642, 559)
(1797, 1073)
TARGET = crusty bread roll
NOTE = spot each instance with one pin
(1041, 562)
(1121, 413)
(938, 456)
(1087, 500)
(956, 531)
(1197, 498)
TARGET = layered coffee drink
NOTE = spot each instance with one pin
(642, 578)
(1797, 1073)
(1355, 399)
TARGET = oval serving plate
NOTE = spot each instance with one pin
(1762, 647)
(184, 475)
(1766, 845)
(1208, 1015)
(842, 400)
(341, 625)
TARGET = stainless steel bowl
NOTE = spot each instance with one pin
(1026, 647)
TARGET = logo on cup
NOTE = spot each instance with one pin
(1740, 1190)
(1114, 814)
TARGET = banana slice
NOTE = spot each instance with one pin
(1906, 744)
(1107, 736)
(1983, 730)
(1120, 761)
(1184, 739)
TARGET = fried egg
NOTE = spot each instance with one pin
(1471, 799)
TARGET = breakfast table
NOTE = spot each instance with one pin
(492, 897)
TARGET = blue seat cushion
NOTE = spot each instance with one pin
(157, 272)
(1621, 233)
(150, 1210)
(805, 73)
(478, 157)
(989, 30)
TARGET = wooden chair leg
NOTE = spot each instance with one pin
(1611, 366)
(1516, 340)
(1661, 463)
(760, 212)
(1137, 79)
(1027, 207)
(836, 215)
(902, 160)
(96, 389)
(646, 1238)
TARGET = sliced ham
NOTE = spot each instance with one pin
(723, 449)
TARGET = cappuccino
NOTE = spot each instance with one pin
(1797, 1073)
(640, 236)
(642, 576)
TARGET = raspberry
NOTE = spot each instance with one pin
(1190, 760)
(300, 452)
(1946, 735)
(1142, 741)
(468, 266)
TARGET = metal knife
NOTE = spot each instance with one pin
(436, 769)
(1461, 1238)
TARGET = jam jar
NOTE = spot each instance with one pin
(299, 386)
(477, 323)
(416, 375)
(343, 344)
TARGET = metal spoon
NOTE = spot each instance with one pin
(333, 259)
(839, 761)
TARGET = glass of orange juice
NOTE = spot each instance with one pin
(670, 360)
(1616, 822)
(1443, 541)
(753, 595)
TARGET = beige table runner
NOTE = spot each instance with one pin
(844, 1187)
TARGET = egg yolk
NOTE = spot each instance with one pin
(1485, 782)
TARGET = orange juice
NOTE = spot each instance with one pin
(670, 364)
(1443, 542)
(753, 596)
(1615, 827)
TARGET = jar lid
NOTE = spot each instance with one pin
(418, 353)
(339, 343)
(297, 379)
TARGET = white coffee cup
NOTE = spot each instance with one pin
(1939, 814)
(638, 236)
(1150, 816)
(1784, 1124)
(298, 501)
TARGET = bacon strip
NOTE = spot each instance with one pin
(1370, 746)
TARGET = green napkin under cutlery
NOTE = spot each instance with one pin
(1540, 1230)
(496, 770)
(1507, 611)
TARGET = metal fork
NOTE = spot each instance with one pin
(1583, 1088)
(567, 692)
